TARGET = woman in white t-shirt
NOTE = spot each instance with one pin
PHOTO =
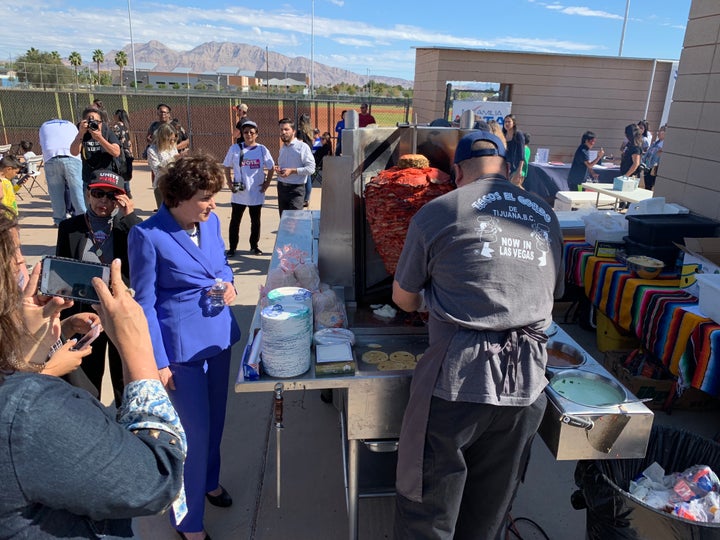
(162, 151)
(252, 170)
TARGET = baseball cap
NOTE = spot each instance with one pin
(464, 148)
(105, 178)
(249, 123)
(242, 107)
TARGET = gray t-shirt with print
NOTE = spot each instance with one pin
(489, 258)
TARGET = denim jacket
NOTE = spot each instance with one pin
(69, 470)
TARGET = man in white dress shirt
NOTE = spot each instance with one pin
(295, 164)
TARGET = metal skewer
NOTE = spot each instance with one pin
(278, 414)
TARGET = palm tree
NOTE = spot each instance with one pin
(75, 60)
(98, 57)
(121, 60)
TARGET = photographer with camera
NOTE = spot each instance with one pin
(248, 162)
(96, 144)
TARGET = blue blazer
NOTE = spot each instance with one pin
(172, 277)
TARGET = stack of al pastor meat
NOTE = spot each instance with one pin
(393, 197)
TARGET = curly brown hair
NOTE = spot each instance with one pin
(187, 175)
(12, 327)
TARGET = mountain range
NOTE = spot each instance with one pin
(213, 55)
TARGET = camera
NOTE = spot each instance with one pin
(93, 125)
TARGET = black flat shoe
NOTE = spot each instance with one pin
(223, 500)
(230, 253)
(256, 251)
(182, 535)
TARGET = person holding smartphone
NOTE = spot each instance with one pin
(100, 235)
(57, 442)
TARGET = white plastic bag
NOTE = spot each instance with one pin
(605, 227)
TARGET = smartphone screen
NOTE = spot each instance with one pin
(69, 278)
(88, 338)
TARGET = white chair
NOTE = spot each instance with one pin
(31, 175)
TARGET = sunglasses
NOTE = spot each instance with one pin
(99, 194)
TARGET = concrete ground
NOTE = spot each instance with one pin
(313, 496)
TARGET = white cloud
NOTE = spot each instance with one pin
(583, 11)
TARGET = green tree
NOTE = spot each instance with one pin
(75, 61)
(98, 57)
(121, 60)
(42, 68)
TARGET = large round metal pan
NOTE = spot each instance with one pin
(588, 389)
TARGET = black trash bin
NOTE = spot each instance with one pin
(612, 514)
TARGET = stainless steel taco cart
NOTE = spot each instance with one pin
(371, 403)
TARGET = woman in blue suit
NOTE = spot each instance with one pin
(175, 258)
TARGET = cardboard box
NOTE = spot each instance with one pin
(610, 337)
(700, 256)
(657, 389)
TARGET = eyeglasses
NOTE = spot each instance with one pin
(248, 132)
(163, 112)
(99, 194)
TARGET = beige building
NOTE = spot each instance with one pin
(689, 170)
(555, 97)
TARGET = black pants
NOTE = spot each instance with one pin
(94, 366)
(475, 457)
(236, 217)
(290, 196)
(649, 179)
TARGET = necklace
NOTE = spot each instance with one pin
(99, 238)
(193, 233)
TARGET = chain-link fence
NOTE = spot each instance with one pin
(209, 120)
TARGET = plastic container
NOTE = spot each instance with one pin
(667, 254)
(612, 513)
(709, 300)
(664, 229)
(217, 293)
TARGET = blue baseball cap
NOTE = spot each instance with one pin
(464, 148)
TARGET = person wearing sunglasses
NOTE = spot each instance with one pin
(100, 235)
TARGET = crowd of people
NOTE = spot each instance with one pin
(170, 272)
(639, 156)
(168, 268)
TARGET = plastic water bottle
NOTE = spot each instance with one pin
(217, 293)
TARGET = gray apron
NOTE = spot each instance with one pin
(409, 476)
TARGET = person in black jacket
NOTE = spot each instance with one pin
(100, 235)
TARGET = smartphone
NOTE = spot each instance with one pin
(88, 338)
(72, 279)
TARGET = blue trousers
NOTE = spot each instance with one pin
(62, 172)
(200, 397)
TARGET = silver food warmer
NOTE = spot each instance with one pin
(589, 414)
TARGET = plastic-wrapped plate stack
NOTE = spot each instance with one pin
(287, 326)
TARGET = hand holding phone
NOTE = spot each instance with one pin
(88, 338)
(72, 279)
(65, 360)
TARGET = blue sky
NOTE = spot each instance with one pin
(374, 37)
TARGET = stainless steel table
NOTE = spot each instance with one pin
(371, 402)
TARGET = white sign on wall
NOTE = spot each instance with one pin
(484, 110)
